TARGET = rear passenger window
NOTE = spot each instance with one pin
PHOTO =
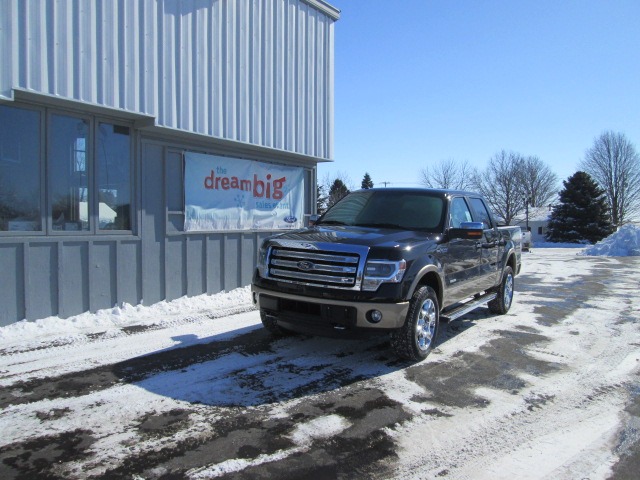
(480, 212)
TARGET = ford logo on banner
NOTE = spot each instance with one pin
(306, 266)
(290, 219)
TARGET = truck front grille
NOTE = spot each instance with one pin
(330, 269)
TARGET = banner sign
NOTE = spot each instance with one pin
(222, 193)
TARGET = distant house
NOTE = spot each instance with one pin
(538, 221)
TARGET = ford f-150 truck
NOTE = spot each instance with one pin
(388, 260)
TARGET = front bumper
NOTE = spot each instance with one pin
(292, 309)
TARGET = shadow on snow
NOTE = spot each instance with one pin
(253, 368)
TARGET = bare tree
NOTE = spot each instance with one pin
(329, 179)
(538, 183)
(500, 184)
(450, 174)
(614, 163)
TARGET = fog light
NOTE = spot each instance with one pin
(375, 316)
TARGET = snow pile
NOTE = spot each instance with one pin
(125, 315)
(623, 243)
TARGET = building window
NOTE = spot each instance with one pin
(68, 173)
(540, 231)
(88, 165)
(113, 165)
(20, 178)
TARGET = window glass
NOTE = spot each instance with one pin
(19, 169)
(387, 209)
(68, 173)
(459, 212)
(113, 167)
(481, 213)
(347, 209)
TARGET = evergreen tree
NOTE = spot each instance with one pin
(582, 214)
(336, 192)
(366, 182)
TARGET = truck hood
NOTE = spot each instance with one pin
(364, 236)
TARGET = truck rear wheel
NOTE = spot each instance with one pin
(503, 301)
(417, 337)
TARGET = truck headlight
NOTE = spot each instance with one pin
(262, 262)
(377, 272)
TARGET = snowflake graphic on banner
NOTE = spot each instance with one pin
(239, 199)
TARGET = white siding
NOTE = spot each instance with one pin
(254, 71)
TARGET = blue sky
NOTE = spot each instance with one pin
(420, 81)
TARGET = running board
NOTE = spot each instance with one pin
(467, 307)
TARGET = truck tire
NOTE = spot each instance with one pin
(269, 322)
(417, 337)
(503, 301)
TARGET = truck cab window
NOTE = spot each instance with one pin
(480, 212)
(459, 212)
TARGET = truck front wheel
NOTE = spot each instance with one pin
(417, 337)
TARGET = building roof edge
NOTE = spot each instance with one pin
(324, 7)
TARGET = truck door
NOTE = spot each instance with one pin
(490, 247)
(462, 259)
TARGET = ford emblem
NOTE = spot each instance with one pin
(306, 266)
(290, 219)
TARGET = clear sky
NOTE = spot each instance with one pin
(420, 81)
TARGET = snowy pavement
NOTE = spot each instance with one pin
(195, 388)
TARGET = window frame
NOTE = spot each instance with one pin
(46, 192)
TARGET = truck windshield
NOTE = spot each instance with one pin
(408, 210)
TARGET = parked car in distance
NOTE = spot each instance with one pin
(526, 240)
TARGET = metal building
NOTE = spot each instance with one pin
(101, 103)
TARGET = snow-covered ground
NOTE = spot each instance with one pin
(569, 351)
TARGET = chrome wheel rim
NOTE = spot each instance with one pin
(426, 325)
(508, 291)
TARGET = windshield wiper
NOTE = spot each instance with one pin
(380, 225)
(331, 222)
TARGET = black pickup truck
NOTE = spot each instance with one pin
(388, 260)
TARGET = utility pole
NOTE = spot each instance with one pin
(385, 184)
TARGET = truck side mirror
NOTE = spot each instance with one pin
(468, 231)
